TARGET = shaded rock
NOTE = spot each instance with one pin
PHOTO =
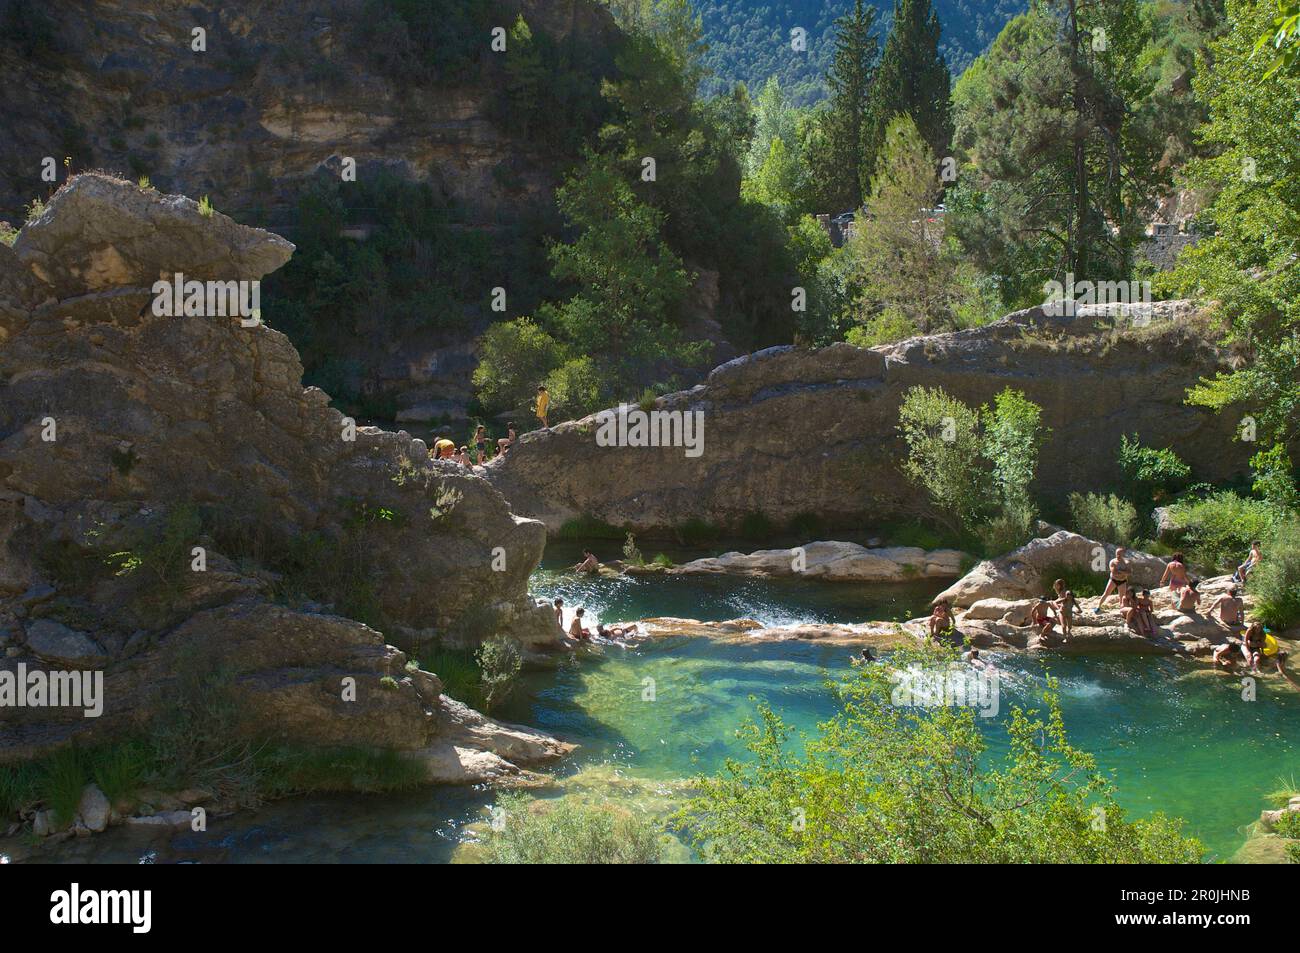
(842, 403)
(93, 809)
(59, 645)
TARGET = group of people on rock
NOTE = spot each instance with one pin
(577, 629)
(1137, 608)
(445, 448)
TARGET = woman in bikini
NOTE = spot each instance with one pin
(480, 443)
(1175, 575)
(1148, 612)
(1252, 645)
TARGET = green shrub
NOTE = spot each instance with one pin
(1107, 519)
(567, 833)
(662, 560)
(500, 660)
(1152, 474)
(1275, 582)
(1010, 529)
(1080, 580)
(18, 789)
(1216, 532)
(120, 769)
(459, 672)
(61, 780)
(805, 525)
(756, 526)
(1288, 825)
(887, 327)
(631, 553)
(696, 532)
(283, 771)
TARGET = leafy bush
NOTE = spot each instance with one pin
(1013, 433)
(563, 832)
(1080, 580)
(1107, 519)
(1006, 530)
(756, 526)
(576, 389)
(943, 452)
(459, 672)
(1216, 532)
(516, 356)
(1275, 582)
(1153, 474)
(500, 660)
(631, 553)
(888, 783)
(887, 327)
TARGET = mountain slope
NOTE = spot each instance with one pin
(749, 40)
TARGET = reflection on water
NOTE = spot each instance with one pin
(1176, 739)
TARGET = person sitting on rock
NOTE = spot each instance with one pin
(463, 458)
(576, 630)
(1175, 574)
(1253, 644)
(1188, 598)
(1228, 610)
(1227, 655)
(1146, 606)
(589, 563)
(1064, 604)
(1119, 573)
(1043, 617)
(941, 621)
(1134, 618)
(508, 441)
(1244, 570)
(559, 613)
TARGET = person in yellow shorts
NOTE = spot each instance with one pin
(543, 402)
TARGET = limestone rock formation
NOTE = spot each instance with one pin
(833, 562)
(789, 432)
(1020, 573)
(175, 508)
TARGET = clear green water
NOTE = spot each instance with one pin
(1177, 738)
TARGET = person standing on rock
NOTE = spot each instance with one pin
(480, 443)
(1119, 573)
(543, 402)
(1064, 603)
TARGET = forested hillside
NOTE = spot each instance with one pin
(749, 40)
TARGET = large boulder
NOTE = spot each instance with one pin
(791, 431)
(1020, 573)
(169, 491)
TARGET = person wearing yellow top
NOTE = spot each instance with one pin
(443, 449)
(543, 401)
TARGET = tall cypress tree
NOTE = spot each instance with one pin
(837, 150)
(912, 79)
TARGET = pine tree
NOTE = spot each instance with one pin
(837, 158)
(912, 79)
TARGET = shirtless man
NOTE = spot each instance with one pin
(1064, 604)
(1119, 573)
(1228, 610)
(1188, 598)
(576, 631)
(559, 613)
(589, 563)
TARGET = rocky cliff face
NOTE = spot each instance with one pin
(171, 499)
(789, 431)
(283, 86)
